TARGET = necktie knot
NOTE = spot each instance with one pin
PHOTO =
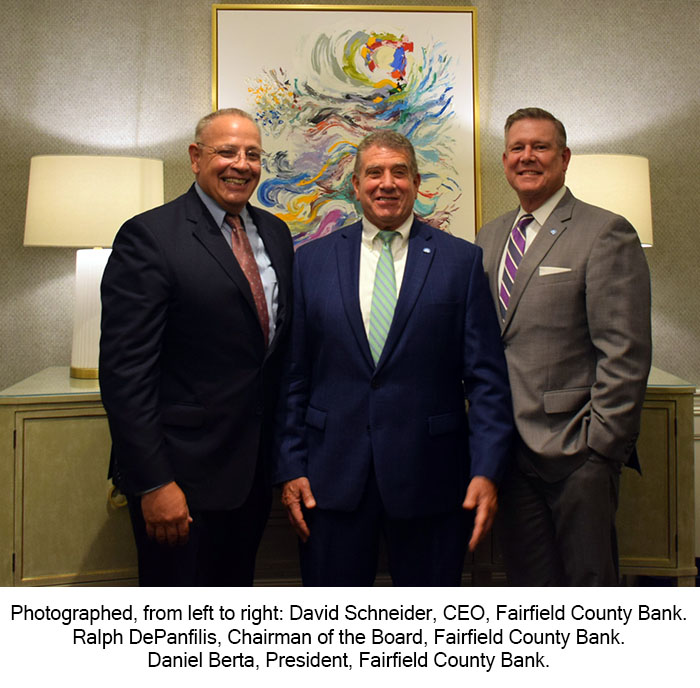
(387, 236)
(235, 222)
(523, 222)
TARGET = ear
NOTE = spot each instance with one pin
(566, 156)
(195, 152)
(356, 186)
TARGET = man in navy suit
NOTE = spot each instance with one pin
(373, 436)
(195, 305)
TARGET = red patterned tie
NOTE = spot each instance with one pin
(244, 255)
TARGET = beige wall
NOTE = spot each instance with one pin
(132, 77)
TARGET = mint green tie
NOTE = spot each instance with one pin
(383, 297)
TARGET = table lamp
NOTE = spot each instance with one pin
(619, 183)
(81, 201)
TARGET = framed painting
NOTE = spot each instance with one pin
(319, 78)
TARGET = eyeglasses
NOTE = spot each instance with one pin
(252, 156)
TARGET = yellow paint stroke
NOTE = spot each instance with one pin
(326, 166)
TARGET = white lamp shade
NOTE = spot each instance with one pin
(82, 200)
(619, 183)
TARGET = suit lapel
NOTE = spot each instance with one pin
(421, 251)
(209, 235)
(348, 260)
(548, 235)
(418, 262)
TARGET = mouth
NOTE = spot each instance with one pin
(529, 173)
(235, 181)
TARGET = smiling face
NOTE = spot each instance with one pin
(534, 162)
(385, 186)
(230, 181)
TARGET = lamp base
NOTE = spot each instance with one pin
(84, 373)
(89, 266)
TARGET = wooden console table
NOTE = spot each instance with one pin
(61, 525)
(656, 516)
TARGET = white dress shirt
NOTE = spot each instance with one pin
(370, 250)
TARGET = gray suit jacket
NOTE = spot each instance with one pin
(577, 335)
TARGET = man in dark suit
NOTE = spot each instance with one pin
(571, 286)
(393, 327)
(195, 307)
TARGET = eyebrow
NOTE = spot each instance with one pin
(538, 142)
(233, 145)
(397, 166)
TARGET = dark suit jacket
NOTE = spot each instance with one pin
(186, 381)
(407, 416)
(577, 335)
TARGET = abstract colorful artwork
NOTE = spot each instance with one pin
(318, 81)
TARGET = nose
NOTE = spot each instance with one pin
(240, 159)
(387, 179)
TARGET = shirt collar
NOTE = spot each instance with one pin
(216, 211)
(370, 231)
(542, 213)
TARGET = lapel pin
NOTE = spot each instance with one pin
(426, 250)
(552, 231)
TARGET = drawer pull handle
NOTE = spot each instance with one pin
(116, 498)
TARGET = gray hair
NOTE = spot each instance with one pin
(208, 119)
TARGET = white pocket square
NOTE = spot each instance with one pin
(546, 270)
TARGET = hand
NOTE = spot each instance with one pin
(166, 514)
(294, 492)
(481, 494)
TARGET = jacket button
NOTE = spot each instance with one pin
(374, 384)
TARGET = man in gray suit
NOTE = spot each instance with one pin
(571, 286)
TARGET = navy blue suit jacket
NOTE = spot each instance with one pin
(340, 414)
(187, 383)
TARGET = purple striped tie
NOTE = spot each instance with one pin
(514, 254)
